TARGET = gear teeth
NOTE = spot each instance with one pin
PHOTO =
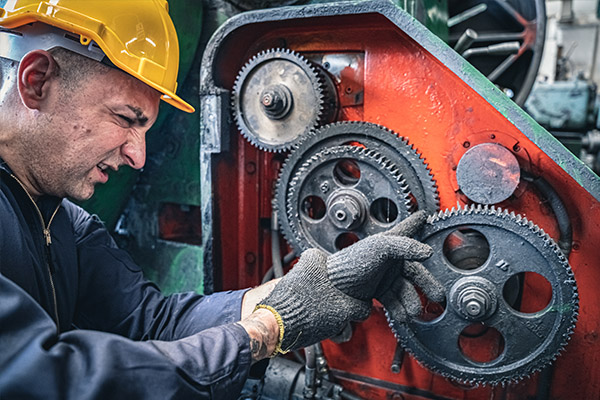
(490, 216)
(263, 57)
(366, 129)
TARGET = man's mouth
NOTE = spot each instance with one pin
(103, 169)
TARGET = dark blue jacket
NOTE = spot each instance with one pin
(79, 321)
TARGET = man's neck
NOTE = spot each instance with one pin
(21, 177)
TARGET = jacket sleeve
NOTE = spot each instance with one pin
(115, 297)
(36, 362)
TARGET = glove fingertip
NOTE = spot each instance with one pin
(397, 315)
(410, 225)
(421, 251)
(437, 294)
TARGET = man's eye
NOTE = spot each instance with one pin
(128, 120)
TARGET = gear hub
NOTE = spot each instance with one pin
(276, 101)
(473, 298)
(347, 209)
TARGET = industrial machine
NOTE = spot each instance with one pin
(323, 124)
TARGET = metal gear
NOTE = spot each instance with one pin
(277, 97)
(342, 194)
(397, 150)
(474, 257)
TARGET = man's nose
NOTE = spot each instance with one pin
(134, 151)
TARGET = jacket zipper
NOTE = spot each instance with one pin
(48, 240)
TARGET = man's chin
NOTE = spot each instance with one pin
(83, 194)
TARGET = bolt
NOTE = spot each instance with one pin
(474, 303)
(345, 211)
(324, 187)
(272, 102)
(250, 258)
(473, 308)
(352, 207)
(340, 215)
(250, 167)
(276, 101)
(267, 99)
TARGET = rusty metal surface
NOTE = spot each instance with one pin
(416, 86)
(488, 173)
(432, 44)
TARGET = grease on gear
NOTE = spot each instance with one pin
(484, 275)
(278, 96)
(342, 194)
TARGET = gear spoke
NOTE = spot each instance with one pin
(439, 266)
(441, 334)
(520, 330)
(517, 16)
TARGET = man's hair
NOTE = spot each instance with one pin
(72, 69)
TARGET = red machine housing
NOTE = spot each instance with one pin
(443, 111)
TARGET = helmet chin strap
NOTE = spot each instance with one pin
(15, 43)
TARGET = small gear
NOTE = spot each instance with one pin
(277, 97)
(508, 286)
(342, 194)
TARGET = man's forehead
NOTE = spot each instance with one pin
(132, 95)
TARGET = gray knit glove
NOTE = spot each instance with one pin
(385, 266)
(309, 307)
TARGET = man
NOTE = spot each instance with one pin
(77, 318)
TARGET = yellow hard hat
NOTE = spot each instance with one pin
(137, 36)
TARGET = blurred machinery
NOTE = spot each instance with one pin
(568, 108)
(323, 123)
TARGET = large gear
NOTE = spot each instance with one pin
(395, 149)
(342, 194)
(478, 253)
(375, 137)
(277, 97)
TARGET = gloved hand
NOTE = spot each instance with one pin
(309, 307)
(385, 266)
(322, 294)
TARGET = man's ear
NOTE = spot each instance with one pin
(36, 70)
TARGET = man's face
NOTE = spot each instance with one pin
(83, 133)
